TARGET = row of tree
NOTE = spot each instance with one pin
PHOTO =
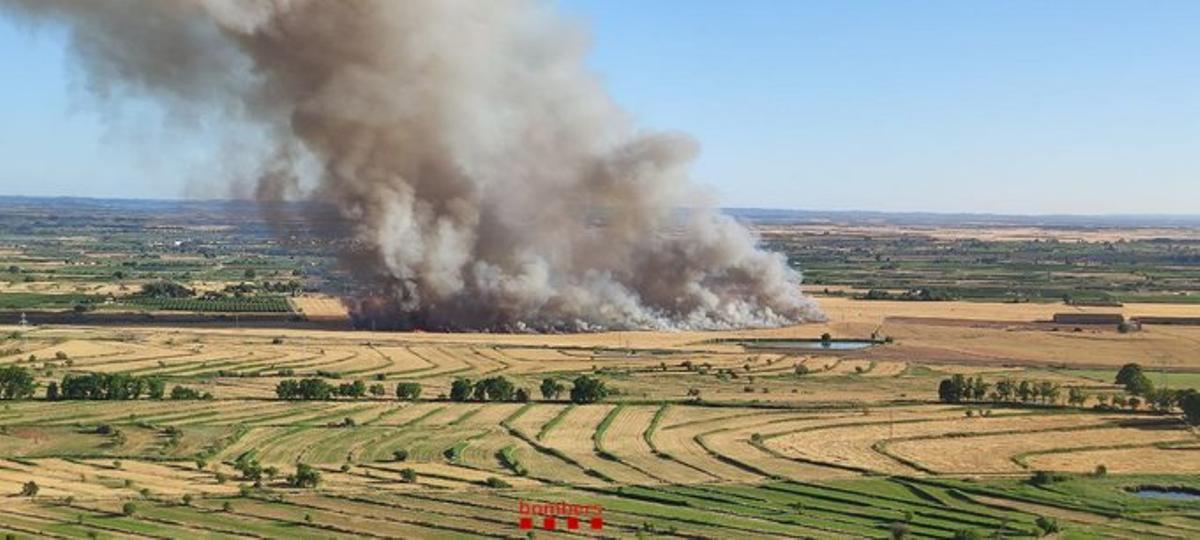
(584, 389)
(316, 389)
(958, 389)
(496, 388)
(17, 382)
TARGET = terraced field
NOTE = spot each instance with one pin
(700, 439)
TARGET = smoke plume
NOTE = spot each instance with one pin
(488, 180)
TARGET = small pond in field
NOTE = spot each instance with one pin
(1174, 494)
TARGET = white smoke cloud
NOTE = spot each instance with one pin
(488, 179)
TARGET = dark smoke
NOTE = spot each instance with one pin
(489, 180)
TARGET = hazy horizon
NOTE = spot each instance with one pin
(725, 208)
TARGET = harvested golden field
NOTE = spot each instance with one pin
(688, 416)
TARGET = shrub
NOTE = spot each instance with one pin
(1047, 525)
(306, 477)
(1043, 478)
(967, 534)
(551, 388)
(129, 508)
(29, 489)
(183, 393)
(400, 454)
(496, 483)
(408, 475)
(408, 391)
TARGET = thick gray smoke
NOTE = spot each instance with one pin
(488, 180)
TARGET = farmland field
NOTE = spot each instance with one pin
(703, 434)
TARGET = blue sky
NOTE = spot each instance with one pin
(1006, 106)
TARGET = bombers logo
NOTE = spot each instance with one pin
(556, 515)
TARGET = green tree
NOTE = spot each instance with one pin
(408, 391)
(979, 389)
(306, 477)
(1076, 396)
(16, 382)
(408, 475)
(1049, 391)
(551, 388)
(586, 389)
(1134, 380)
(165, 289)
(155, 388)
(460, 389)
(1025, 391)
(954, 389)
(494, 389)
(356, 389)
(129, 508)
(30, 489)
(1189, 401)
(1006, 389)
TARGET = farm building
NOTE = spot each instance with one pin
(1150, 319)
(1089, 318)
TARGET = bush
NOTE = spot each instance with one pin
(1044, 478)
(551, 388)
(408, 475)
(129, 508)
(408, 391)
(1047, 525)
(496, 483)
(355, 389)
(306, 477)
(30, 489)
(967, 534)
(400, 454)
(183, 392)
